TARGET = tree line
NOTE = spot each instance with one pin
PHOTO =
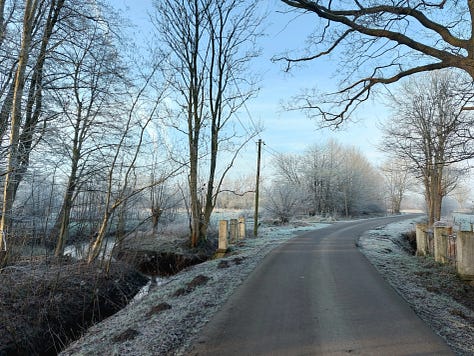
(83, 111)
(92, 126)
(328, 180)
(378, 44)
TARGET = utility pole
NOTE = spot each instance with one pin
(257, 187)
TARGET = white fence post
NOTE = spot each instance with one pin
(233, 230)
(223, 236)
(465, 255)
(241, 228)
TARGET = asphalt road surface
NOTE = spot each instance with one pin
(318, 295)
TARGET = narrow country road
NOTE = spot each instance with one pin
(318, 295)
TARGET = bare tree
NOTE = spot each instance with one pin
(322, 167)
(86, 98)
(359, 184)
(118, 192)
(210, 44)
(38, 17)
(288, 168)
(382, 42)
(431, 132)
(333, 179)
(283, 200)
(462, 195)
(163, 199)
(397, 181)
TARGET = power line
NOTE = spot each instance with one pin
(272, 151)
(244, 104)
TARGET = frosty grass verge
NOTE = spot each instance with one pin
(167, 319)
(404, 272)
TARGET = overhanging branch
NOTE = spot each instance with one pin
(379, 21)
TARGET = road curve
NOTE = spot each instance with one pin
(318, 295)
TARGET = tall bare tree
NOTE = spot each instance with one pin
(210, 44)
(86, 98)
(382, 42)
(39, 16)
(431, 132)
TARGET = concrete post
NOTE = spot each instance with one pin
(233, 230)
(241, 228)
(465, 255)
(223, 236)
(441, 244)
(421, 240)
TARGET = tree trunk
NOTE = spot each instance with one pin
(12, 160)
(195, 203)
(21, 144)
(63, 221)
(62, 224)
(96, 246)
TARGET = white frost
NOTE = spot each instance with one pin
(137, 330)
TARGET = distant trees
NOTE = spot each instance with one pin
(208, 46)
(431, 132)
(237, 193)
(341, 181)
(461, 193)
(284, 200)
(380, 43)
(397, 181)
(326, 180)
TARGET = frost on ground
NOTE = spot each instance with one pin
(166, 320)
(434, 291)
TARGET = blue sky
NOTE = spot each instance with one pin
(288, 131)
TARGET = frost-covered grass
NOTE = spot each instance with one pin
(427, 286)
(165, 321)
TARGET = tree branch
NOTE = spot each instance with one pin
(343, 17)
(379, 21)
(361, 95)
(320, 54)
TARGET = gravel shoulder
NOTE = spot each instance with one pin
(167, 319)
